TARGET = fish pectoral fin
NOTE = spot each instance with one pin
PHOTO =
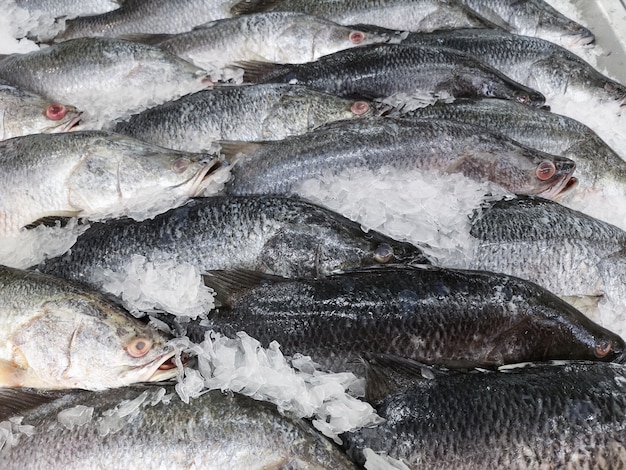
(233, 152)
(489, 16)
(11, 375)
(227, 284)
(16, 401)
(245, 7)
(62, 219)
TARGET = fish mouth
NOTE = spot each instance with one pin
(582, 39)
(162, 368)
(66, 126)
(200, 181)
(558, 191)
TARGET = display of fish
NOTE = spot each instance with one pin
(430, 145)
(103, 77)
(146, 16)
(280, 37)
(137, 426)
(432, 315)
(56, 334)
(93, 174)
(566, 415)
(387, 70)
(23, 112)
(597, 165)
(258, 112)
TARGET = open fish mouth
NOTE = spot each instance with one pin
(68, 126)
(162, 368)
(204, 177)
(558, 191)
(582, 39)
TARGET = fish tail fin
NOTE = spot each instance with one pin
(261, 72)
(228, 283)
(233, 151)
(246, 7)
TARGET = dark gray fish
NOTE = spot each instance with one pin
(258, 112)
(387, 70)
(570, 415)
(440, 146)
(536, 63)
(433, 315)
(276, 235)
(137, 427)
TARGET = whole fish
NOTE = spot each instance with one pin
(431, 145)
(439, 316)
(387, 70)
(276, 235)
(280, 37)
(67, 8)
(536, 63)
(408, 15)
(136, 426)
(146, 16)
(103, 77)
(566, 415)
(56, 334)
(93, 174)
(258, 112)
(597, 165)
(23, 112)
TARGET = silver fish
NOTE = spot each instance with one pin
(67, 8)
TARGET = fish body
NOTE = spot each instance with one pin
(134, 426)
(93, 174)
(277, 235)
(432, 315)
(67, 8)
(56, 334)
(23, 112)
(386, 70)
(260, 112)
(554, 416)
(438, 146)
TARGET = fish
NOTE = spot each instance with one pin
(429, 145)
(23, 112)
(145, 16)
(448, 317)
(95, 175)
(150, 425)
(67, 8)
(388, 70)
(103, 77)
(259, 112)
(598, 166)
(536, 63)
(276, 235)
(562, 415)
(407, 15)
(60, 335)
(279, 37)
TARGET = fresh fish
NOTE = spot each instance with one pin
(280, 37)
(597, 165)
(408, 15)
(536, 63)
(532, 18)
(67, 8)
(387, 70)
(103, 76)
(93, 174)
(545, 416)
(430, 145)
(433, 315)
(276, 235)
(139, 427)
(56, 334)
(259, 112)
(23, 112)
(146, 16)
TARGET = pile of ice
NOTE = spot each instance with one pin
(11, 431)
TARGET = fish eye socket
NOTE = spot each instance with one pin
(524, 99)
(180, 165)
(383, 253)
(360, 107)
(56, 112)
(603, 348)
(139, 347)
(546, 170)
(356, 37)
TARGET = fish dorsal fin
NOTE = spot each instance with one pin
(227, 284)
(52, 220)
(233, 151)
(387, 373)
(246, 7)
(16, 401)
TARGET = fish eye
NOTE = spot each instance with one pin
(180, 165)
(383, 253)
(603, 348)
(356, 37)
(139, 347)
(360, 107)
(546, 170)
(524, 99)
(56, 112)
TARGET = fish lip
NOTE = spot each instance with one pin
(582, 38)
(161, 368)
(564, 181)
(198, 180)
(73, 123)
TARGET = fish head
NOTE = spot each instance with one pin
(561, 30)
(553, 177)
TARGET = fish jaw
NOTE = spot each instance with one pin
(214, 172)
(157, 370)
(562, 182)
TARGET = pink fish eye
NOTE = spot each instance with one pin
(56, 112)
(546, 170)
(180, 165)
(603, 347)
(356, 37)
(360, 107)
(139, 347)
